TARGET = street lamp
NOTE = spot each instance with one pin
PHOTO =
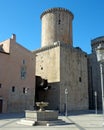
(100, 58)
(66, 101)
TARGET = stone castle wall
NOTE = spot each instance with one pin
(64, 67)
(48, 63)
(94, 74)
(74, 77)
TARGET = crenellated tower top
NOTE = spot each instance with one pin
(56, 9)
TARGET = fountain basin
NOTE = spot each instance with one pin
(47, 115)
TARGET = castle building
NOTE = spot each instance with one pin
(94, 74)
(46, 74)
(64, 66)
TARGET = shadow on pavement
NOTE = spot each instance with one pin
(11, 115)
(80, 112)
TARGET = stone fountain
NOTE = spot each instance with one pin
(41, 116)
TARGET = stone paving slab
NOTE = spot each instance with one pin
(73, 122)
(88, 121)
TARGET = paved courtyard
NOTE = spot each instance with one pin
(74, 121)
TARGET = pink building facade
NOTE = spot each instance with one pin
(17, 77)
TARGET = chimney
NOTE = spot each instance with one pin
(13, 37)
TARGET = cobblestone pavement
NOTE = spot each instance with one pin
(76, 121)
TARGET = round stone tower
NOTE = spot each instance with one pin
(56, 26)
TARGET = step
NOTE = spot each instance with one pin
(26, 122)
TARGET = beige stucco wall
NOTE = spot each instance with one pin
(10, 75)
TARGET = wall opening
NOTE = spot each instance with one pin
(80, 79)
(13, 88)
(0, 85)
(1, 105)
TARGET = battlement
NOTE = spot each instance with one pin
(97, 41)
(56, 9)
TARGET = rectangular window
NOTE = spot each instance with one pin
(13, 89)
(23, 72)
(0, 85)
(23, 61)
(24, 90)
(80, 80)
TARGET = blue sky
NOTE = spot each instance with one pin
(22, 17)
